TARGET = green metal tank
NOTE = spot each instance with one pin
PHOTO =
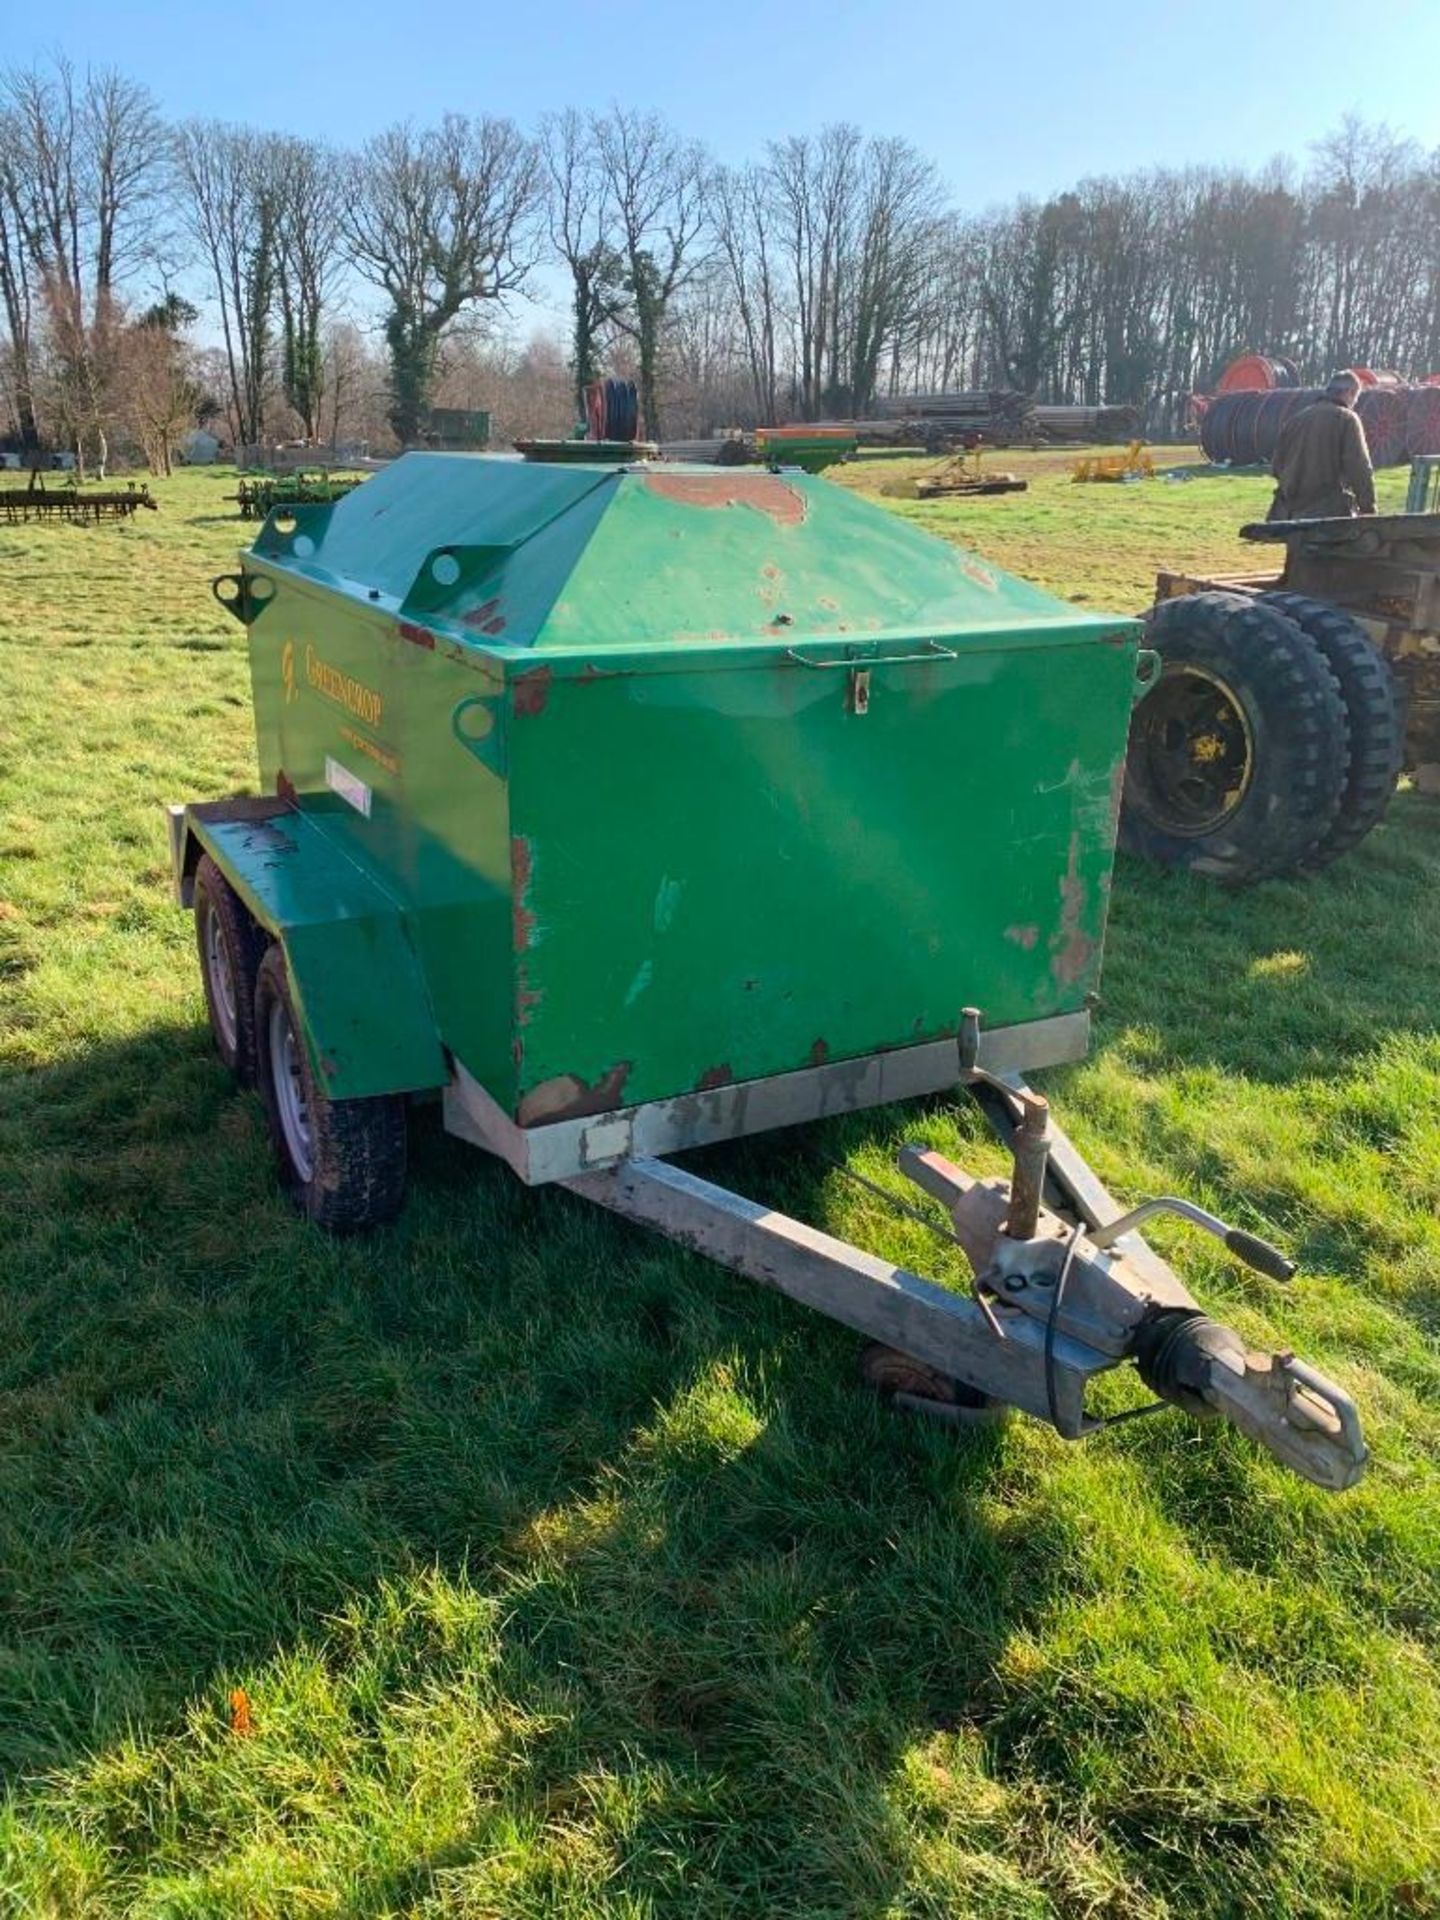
(606, 785)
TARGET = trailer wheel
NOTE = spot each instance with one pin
(230, 946)
(1375, 712)
(1240, 750)
(894, 1375)
(342, 1161)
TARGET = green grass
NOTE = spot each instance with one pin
(568, 1575)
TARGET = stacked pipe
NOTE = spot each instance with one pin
(1243, 427)
(1081, 424)
(1002, 414)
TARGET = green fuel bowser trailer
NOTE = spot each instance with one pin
(634, 807)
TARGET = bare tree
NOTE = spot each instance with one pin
(657, 184)
(125, 152)
(229, 204)
(815, 184)
(16, 290)
(79, 165)
(158, 379)
(307, 193)
(582, 231)
(743, 215)
(355, 385)
(439, 221)
(899, 203)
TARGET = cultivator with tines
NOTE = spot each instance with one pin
(39, 502)
(259, 493)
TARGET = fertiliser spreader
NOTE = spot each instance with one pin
(633, 808)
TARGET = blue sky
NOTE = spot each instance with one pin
(1006, 99)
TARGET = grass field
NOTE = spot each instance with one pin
(566, 1575)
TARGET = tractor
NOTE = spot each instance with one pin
(1288, 703)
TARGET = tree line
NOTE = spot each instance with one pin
(359, 288)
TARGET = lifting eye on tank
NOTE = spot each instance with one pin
(243, 595)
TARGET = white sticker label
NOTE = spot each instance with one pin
(353, 791)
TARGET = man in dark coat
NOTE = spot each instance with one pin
(1322, 464)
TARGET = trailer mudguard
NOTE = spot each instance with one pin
(358, 985)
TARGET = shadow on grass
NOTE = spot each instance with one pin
(220, 1430)
(729, 1583)
(1291, 979)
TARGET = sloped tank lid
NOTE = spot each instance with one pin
(584, 556)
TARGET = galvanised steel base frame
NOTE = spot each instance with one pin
(926, 1322)
(1065, 1288)
(559, 1149)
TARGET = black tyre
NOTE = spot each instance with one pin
(1374, 709)
(342, 1161)
(1239, 752)
(231, 946)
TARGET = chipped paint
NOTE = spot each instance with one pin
(522, 932)
(765, 492)
(532, 689)
(527, 998)
(644, 974)
(568, 1097)
(1024, 936)
(522, 871)
(417, 635)
(269, 839)
(819, 1053)
(713, 1077)
(667, 899)
(478, 616)
(1073, 950)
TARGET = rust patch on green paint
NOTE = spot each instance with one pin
(819, 1053)
(1025, 936)
(766, 492)
(1074, 949)
(568, 1097)
(713, 1077)
(522, 933)
(522, 869)
(532, 690)
(487, 617)
(527, 998)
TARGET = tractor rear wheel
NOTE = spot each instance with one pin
(1375, 712)
(1240, 750)
(230, 946)
(342, 1161)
